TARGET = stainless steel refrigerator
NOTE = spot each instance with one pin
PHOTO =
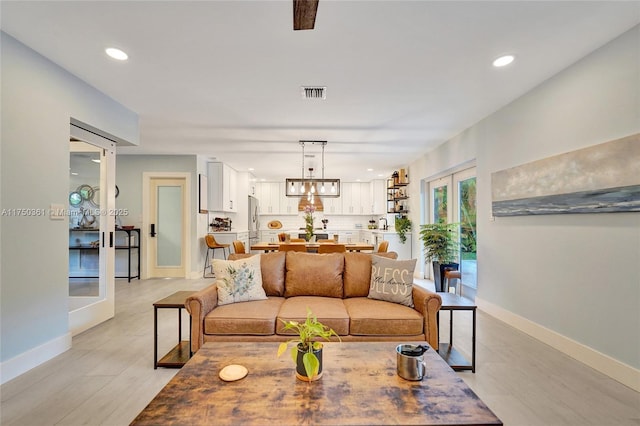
(254, 222)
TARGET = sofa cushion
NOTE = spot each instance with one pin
(310, 274)
(357, 272)
(272, 267)
(392, 280)
(329, 311)
(257, 317)
(238, 280)
(371, 317)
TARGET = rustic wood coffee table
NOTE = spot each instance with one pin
(359, 386)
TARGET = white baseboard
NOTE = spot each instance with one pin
(24, 362)
(619, 371)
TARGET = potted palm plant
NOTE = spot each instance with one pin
(307, 351)
(442, 248)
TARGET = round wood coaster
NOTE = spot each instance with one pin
(233, 372)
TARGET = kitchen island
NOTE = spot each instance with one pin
(353, 235)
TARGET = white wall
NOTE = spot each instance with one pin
(38, 100)
(129, 170)
(572, 280)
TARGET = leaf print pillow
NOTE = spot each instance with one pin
(238, 280)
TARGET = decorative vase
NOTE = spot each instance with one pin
(301, 373)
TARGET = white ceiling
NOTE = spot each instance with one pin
(222, 78)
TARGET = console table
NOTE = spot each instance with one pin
(80, 241)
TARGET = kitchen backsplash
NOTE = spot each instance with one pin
(335, 222)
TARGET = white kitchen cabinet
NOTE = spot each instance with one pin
(366, 203)
(268, 194)
(378, 191)
(230, 237)
(269, 236)
(332, 205)
(350, 194)
(356, 198)
(288, 205)
(346, 237)
(366, 236)
(403, 250)
(222, 188)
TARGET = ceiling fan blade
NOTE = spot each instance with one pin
(304, 14)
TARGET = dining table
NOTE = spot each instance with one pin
(311, 247)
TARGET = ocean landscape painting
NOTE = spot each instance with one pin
(604, 178)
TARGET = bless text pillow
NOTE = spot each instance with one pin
(238, 280)
(392, 280)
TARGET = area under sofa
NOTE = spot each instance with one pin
(334, 286)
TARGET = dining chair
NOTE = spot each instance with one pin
(282, 237)
(383, 247)
(331, 248)
(292, 247)
(212, 246)
(298, 240)
(238, 247)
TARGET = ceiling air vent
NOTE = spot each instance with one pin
(314, 92)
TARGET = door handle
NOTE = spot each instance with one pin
(111, 239)
(153, 229)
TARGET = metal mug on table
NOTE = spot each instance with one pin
(410, 359)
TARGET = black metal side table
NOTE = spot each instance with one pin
(452, 302)
(181, 353)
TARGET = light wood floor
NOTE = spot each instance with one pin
(107, 378)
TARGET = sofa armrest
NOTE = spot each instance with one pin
(199, 305)
(428, 304)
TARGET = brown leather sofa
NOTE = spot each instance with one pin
(334, 286)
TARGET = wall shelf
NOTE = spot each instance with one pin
(397, 194)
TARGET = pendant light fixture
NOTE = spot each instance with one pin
(301, 187)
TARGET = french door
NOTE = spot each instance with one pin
(91, 230)
(452, 199)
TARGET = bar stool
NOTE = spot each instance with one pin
(453, 274)
(238, 247)
(383, 247)
(212, 245)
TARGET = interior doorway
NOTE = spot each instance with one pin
(166, 224)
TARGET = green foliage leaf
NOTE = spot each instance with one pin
(311, 364)
(282, 348)
(441, 241)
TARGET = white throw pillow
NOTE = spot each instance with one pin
(238, 280)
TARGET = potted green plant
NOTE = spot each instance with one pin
(307, 351)
(402, 226)
(442, 248)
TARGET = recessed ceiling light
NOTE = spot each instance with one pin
(503, 60)
(74, 174)
(116, 53)
(251, 169)
(369, 170)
